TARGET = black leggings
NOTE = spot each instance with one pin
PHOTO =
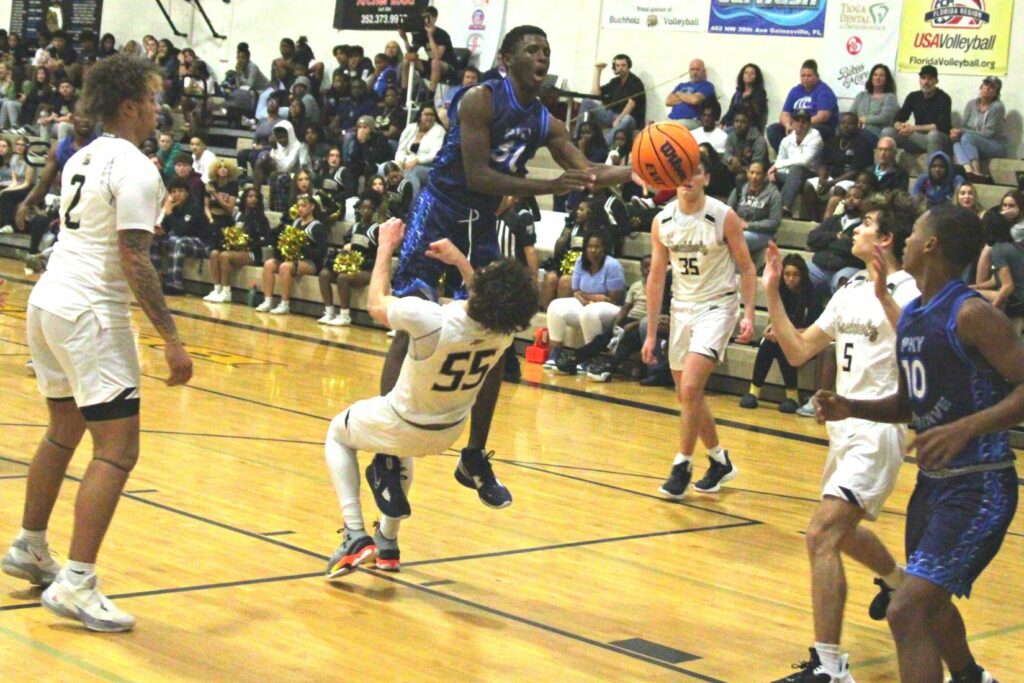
(38, 226)
(768, 353)
(9, 202)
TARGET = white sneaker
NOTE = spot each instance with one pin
(807, 409)
(35, 565)
(265, 306)
(282, 308)
(392, 333)
(550, 364)
(214, 296)
(86, 604)
(326, 318)
(225, 296)
(986, 677)
(6, 230)
(340, 320)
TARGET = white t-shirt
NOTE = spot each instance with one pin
(107, 186)
(448, 359)
(202, 164)
(865, 341)
(716, 138)
(702, 265)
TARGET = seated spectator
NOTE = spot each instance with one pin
(184, 227)
(221, 194)
(197, 87)
(687, 98)
(1011, 208)
(23, 178)
(8, 86)
(289, 271)
(1007, 214)
(744, 145)
(361, 103)
(621, 149)
(301, 92)
(303, 186)
(282, 158)
(362, 239)
(981, 134)
(1002, 282)
(202, 158)
(397, 192)
(384, 76)
(359, 66)
(364, 151)
(193, 181)
(167, 151)
(262, 139)
(589, 216)
(798, 158)
(888, 175)
(313, 150)
(836, 205)
(812, 96)
(598, 289)
(937, 185)
(832, 243)
(932, 112)
(441, 61)
(247, 82)
(390, 116)
(470, 77)
(419, 144)
(708, 131)
(801, 308)
(967, 197)
(298, 118)
(750, 96)
(56, 123)
(225, 259)
(877, 106)
(759, 204)
(721, 181)
(622, 103)
(330, 182)
(843, 158)
(22, 109)
(107, 46)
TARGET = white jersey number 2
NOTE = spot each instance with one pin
(77, 180)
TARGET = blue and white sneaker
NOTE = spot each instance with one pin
(384, 475)
(474, 471)
(86, 604)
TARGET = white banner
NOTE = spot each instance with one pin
(477, 25)
(858, 35)
(677, 15)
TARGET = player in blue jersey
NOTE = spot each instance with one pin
(961, 388)
(497, 127)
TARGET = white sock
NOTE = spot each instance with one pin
(36, 538)
(894, 578)
(682, 458)
(329, 311)
(389, 525)
(217, 289)
(717, 454)
(344, 312)
(78, 572)
(344, 468)
(828, 653)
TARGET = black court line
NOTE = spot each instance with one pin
(579, 544)
(442, 582)
(142, 491)
(14, 476)
(276, 533)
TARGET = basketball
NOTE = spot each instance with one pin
(665, 155)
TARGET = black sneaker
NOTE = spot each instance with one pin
(716, 475)
(748, 401)
(788, 406)
(384, 475)
(805, 670)
(474, 471)
(880, 604)
(677, 482)
(566, 366)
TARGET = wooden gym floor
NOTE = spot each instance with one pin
(222, 536)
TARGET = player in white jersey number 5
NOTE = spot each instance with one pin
(451, 349)
(702, 238)
(80, 337)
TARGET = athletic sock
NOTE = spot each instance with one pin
(344, 312)
(793, 395)
(78, 572)
(717, 454)
(754, 390)
(682, 458)
(217, 289)
(35, 538)
(828, 653)
(329, 311)
(972, 674)
(894, 578)
(344, 468)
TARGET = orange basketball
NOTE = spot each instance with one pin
(665, 155)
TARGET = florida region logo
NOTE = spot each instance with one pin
(963, 14)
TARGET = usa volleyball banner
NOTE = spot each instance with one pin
(861, 33)
(957, 37)
(768, 18)
(681, 15)
(477, 25)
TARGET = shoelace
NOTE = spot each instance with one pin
(486, 463)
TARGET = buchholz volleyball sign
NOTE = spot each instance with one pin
(681, 15)
(957, 37)
(861, 33)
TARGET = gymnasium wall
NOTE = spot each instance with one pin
(575, 35)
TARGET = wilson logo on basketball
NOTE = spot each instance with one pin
(672, 157)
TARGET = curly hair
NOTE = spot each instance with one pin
(503, 297)
(114, 80)
(897, 212)
(215, 167)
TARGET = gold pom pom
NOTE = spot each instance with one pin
(569, 261)
(293, 212)
(348, 262)
(290, 243)
(235, 239)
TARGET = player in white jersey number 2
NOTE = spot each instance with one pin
(80, 338)
(864, 457)
(702, 238)
(451, 349)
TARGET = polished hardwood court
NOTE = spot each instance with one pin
(221, 539)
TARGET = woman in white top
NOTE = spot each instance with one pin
(419, 144)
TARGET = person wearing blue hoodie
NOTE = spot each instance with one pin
(939, 183)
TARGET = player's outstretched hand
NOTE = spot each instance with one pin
(880, 271)
(445, 251)
(179, 363)
(390, 234)
(772, 268)
(574, 180)
(830, 406)
(938, 445)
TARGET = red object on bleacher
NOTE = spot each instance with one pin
(538, 351)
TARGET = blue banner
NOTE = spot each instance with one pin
(804, 19)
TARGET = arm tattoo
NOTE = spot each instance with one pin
(144, 280)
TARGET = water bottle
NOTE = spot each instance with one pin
(255, 296)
